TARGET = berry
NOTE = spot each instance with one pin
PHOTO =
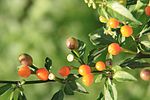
(102, 19)
(24, 71)
(25, 59)
(114, 48)
(42, 74)
(88, 79)
(145, 74)
(113, 23)
(147, 10)
(72, 43)
(100, 66)
(84, 69)
(126, 31)
(64, 71)
(51, 76)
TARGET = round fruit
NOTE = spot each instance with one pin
(145, 74)
(126, 31)
(147, 10)
(100, 66)
(113, 23)
(114, 48)
(25, 59)
(88, 79)
(84, 69)
(72, 43)
(42, 74)
(64, 71)
(24, 71)
(102, 19)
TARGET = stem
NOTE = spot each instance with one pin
(128, 51)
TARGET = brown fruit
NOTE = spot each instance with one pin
(72, 43)
(25, 59)
(145, 74)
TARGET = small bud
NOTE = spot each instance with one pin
(70, 57)
(72, 43)
(25, 59)
(51, 76)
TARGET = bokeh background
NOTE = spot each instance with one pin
(40, 28)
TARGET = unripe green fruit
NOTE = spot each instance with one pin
(145, 74)
(72, 43)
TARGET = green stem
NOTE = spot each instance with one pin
(128, 51)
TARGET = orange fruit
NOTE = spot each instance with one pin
(24, 71)
(147, 10)
(126, 31)
(42, 74)
(84, 69)
(114, 48)
(64, 71)
(113, 23)
(100, 66)
(88, 79)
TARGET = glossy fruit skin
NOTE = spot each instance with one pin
(113, 23)
(100, 66)
(25, 59)
(147, 10)
(72, 43)
(24, 71)
(145, 74)
(42, 74)
(84, 69)
(114, 49)
(126, 31)
(88, 79)
(64, 71)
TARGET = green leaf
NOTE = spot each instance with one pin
(59, 95)
(81, 48)
(116, 68)
(48, 63)
(107, 94)
(98, 78)
(122, 76)
(68, 90)
(99, 38)
(100, 96)
(118, 11)
(81, 89)
(4, 88)
(22, 96)
(131, 2)
(145, 1)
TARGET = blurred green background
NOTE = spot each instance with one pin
(40, 28)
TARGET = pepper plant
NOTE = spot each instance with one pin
(122, 42)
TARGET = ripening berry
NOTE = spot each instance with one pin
(100, 66)
(147, 10)
(126, 31)
(114, 48)
(113, 23)
(24, 71)
(64, 71)
(102, 19)
(84, 69)
(42, 74)
(145, 74)
(88, 79)
(25, 59)
(72, 43)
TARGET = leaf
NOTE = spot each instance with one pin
(4, 88)
(59, 95)
(22, 96)
(145, 1)
(99, 38)
(118, 11)
(100, 96)
(81, 48)
(48, 63)
(68, 90)
(98, 78)
(131, 2)
(81, 89)
(107, 94)
(122, 76)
